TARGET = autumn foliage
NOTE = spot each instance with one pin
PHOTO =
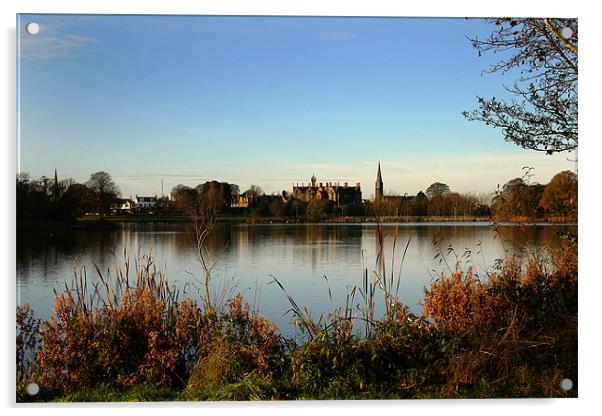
(141, 335)
(560, 195)
(519, 201)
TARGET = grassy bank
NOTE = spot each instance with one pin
(132, 337)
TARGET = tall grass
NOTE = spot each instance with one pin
(360, 300)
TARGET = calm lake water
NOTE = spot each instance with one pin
(247, 256)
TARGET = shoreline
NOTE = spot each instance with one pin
(114, 221)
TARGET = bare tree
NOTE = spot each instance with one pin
(543, 114)
(202, 204)
(102, 184)
(253, 192)
(204, 218)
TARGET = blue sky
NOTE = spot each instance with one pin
(262, 100)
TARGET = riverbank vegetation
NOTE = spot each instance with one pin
(133, 335)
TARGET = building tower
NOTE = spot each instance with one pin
(313, 180)
(56, 190)
(378, 190)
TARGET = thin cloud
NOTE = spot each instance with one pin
(52, 42)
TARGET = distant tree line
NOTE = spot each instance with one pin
(221, 195)
(213, 195)
(437, 200)
(48, 199)
(518, 199)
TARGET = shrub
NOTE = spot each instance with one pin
(140, 334)
(518, 324)
(235, 345)
(127, 343)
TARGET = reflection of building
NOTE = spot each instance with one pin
(341, 194)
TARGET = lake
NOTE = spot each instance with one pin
(310, 260)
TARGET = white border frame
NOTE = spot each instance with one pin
(589, 338)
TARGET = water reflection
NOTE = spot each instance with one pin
(298, 255)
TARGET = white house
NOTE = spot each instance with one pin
(120, 206)
(144, 203)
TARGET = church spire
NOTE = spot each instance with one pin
(56, 190)
(378, 189)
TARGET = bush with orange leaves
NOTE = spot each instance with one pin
(141, 335)
(515, 333)
(460, 302)
(124, 344)
(536, 291)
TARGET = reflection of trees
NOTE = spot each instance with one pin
(423, 238)
(462, 238)
(305, 244)
(42, 250)
(47, 251)
(43, 257)
(530, 236)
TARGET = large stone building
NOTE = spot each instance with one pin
(340, 194)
